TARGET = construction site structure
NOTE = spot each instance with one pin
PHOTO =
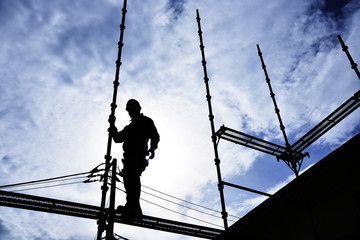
(322, 203)
(290, 154)
(49, 205)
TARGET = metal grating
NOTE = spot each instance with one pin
(330, 121)
(251, 141)
(42, 204)
(294, 153)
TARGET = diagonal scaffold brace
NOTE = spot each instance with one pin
(106, 216)
(294, 163)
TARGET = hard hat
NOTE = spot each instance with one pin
(133, 104)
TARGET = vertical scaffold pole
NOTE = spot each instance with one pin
(111, 214)
(352, 63)
(211, 118)
(103, 215)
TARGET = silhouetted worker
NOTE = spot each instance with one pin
(135, 138)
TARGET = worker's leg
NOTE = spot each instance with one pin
(134, 165)
(132, 186)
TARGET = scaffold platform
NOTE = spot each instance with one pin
(49, 205)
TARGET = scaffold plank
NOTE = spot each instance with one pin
(329, 122)
(49, 205)
(250, 141)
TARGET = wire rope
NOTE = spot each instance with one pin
(197, 205)
(78, 176)
(43, 180)
(183, 214)
(57, 185)
(120, 237)
(181, 199)
(181, 205)
(50, 181)
(168, 209)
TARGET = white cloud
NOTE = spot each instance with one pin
(57, 68)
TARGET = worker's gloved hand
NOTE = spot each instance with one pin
(112, 130)
(151, 152)
(112, 120)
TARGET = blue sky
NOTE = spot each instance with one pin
(58, 64)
